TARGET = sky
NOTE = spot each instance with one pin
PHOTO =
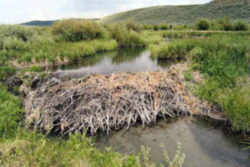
(19, 11)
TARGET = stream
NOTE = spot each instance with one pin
(106, 63)
(204, 145)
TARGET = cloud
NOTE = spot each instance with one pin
(16, 11)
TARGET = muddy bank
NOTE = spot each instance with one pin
(107, 102)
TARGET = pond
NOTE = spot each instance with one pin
(119, 61)
(204, 145)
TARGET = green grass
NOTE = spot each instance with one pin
(11, 114)
(34, 47)
(35, 150)
(67, 41)
(23, 147)
(73, 30)
(126, 36)
(237, 10)
(223, 60)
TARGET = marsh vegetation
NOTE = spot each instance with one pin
(220, 55)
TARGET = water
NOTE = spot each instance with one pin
(120, 61)
(203, 145)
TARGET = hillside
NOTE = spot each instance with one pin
(47, 22)
(39, 23)
(234, 9)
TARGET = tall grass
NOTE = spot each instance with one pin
(126, 38)
(65, 42)
(73, 30)
(223, 60)
(11, 114)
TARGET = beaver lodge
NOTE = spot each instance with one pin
(107, 102)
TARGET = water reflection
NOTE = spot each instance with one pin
(119, 61)
(203, 145)
(126, 55)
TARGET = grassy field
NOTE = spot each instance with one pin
(222, 57)
(65, 42)
(236, 10)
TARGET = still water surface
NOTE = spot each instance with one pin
(120, 61)
(203, 145)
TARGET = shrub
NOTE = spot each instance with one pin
(126, 38)
(148, 26)
(225, 24)
(5, 72)
(133, 40)
(203, 24)
(228, 27)
(77, 30)
(237, 106)
(240, 26)
(156, 27)
(133, 26)
(13, 43)
(20, 32)
(175, 51)
(11, 114)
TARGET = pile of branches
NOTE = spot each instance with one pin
(105, 102)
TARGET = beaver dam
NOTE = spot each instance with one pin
(106, 102)
(140, 105)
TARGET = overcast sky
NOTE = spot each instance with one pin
(17, 11)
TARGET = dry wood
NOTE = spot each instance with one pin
(105, 102)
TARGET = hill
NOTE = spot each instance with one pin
(186, 14)
(48, 22)
(39, 23)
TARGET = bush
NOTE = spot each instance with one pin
(133, 26)
(237, 106)
(13, 43)
(175, 51)
(225, 24)
(20, 32)
(240, 26)
(156, 27)
(203, 24)
(148, 26)
(11, 113)
(126, 38)
(5, 72)
(228, 27)
(76, 30)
